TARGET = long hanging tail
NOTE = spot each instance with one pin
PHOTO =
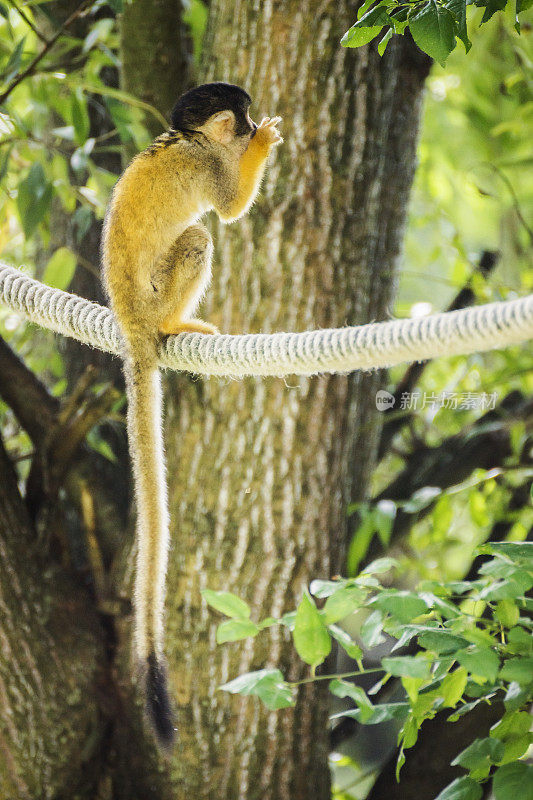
(145, 434)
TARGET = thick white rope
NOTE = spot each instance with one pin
(381, 344)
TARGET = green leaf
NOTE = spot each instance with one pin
(432, 29)
(507, 613)
(399, 763)
(371, 630)
(267, 684)
(34, 197)
(479, 756)
(5, 163)
(519, 641)
(363, 8)
(381, 49)
(195, 16)
(344, 689)
(13, 65)
(407, 666)
(79, 116)
(60, 269)
(346, 642)
(381, 713)
(326, 588)
(288, 620)
(100, 445)
(380, 565)
(367, 28)
(516, 723)
(452, 687)
(517, 585)
(517, 747)
(233, 630)
(519, 552)
(342, 603)
(227, 603)
(267, 622)
(423, 497)
(80, 156)
(514, 731)
(491, 7)
(516, 696)
(83, 218)
(513, 781)
(519, 670)
(409, 733)
(403, 606)
(458, 9)
(522, 5)
(99, 31)
(311, 638)
(480, 661)
(467, 707)
(357, 37)
(441, 641)
(384, 512)
(360, 541)
(461, 789)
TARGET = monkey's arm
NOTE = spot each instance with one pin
(250, 172)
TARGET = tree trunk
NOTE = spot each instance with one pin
(156, 54)
(261, 470)
(50, 668)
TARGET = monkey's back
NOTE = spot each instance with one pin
(153, 202)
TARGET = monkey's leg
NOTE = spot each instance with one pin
(182, 278)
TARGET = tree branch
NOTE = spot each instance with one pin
(28, 21)
(30, 69)
(29, 399)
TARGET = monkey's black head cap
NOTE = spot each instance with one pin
(195, 107)
(158, 703)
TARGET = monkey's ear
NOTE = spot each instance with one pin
(221, 126)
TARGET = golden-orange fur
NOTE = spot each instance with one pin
(156, 265)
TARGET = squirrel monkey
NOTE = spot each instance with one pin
(157, 265)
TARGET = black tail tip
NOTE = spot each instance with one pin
(158, 703)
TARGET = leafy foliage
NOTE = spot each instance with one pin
(54, 156)
(435, 25)
(473, 644)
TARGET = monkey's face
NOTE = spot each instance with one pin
(219, 110)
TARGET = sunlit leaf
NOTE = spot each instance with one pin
(267, 684)
(227, 603)
(461, 789)
(432, 29)
(311, 638)
(60, 269)
(233, 630)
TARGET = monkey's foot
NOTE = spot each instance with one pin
(187, 326)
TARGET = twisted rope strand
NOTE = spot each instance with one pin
(379, 344)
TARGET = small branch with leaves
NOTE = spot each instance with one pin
(32, 66)
(435, 25)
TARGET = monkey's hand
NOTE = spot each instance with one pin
(267, 133)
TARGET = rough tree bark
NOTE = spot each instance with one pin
(156, 71)
(261, 470)
(49, 703)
